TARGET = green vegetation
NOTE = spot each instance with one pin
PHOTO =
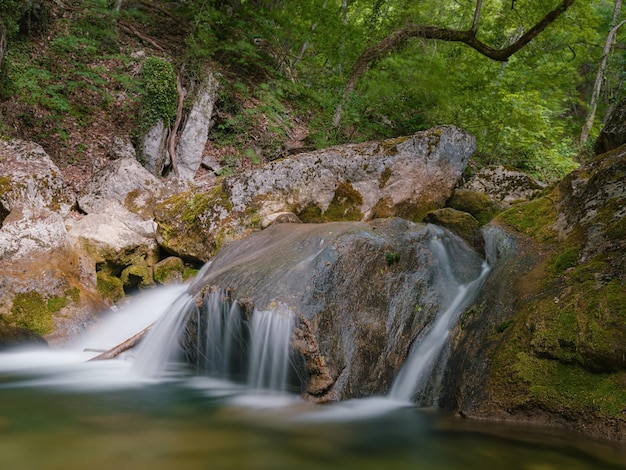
(158, 92)
(32, 312)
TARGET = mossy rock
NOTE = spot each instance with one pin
(138, 274)
(30, 311)
(169, 271)
(480, 205)
(110, 287)
(345, 206)
(14, 336)
(461, 223)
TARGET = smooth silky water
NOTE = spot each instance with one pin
(232, 409)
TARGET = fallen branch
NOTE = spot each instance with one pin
(122, 347)
(129, 29)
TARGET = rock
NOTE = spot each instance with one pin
(121, 148)
(169, 271)
(123, 181)
(547, 339)
(195, 133)
(358, 311)
(28, 231)
(504, 184)
(153, 154)
(280, 218)
(28, 177)
(13, 337)
(406, 177)
(480, 205)
(461, 223)
(613, 133)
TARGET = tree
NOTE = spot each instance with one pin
(597, 88)
(468, 36)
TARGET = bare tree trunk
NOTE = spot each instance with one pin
(468, 37)
(3, 43)
(597, 87)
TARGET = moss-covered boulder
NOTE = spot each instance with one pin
(481, 206)
(169, 271)
(459, 222)
(547, 340)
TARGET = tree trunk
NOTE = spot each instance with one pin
(3, 43)
(597, 87)
(468, 37)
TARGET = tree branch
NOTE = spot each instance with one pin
(468, 37)
(123, 346)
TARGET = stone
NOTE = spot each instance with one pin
(613, 133)
(153, 154)
(121, 148)
(460, 223)
(125, 182)
(195, 133)
(503, 184)
(405, 177)
(28, 177)
(169, 270)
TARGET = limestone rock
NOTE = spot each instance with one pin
(504, 184)
(123, 181)
(169, 271)
(193, 138)
(28, 177)
(154, 155)
(121, 148)
(406, 177)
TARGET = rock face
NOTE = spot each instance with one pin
(613, 134)
(363, 293)
(195, 133)
(547, 339)
(405, 177)
(506, 185)
(153, 154)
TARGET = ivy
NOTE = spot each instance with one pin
(158, 92)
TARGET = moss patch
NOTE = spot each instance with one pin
(534, 218)
(345, 206)
(30, 311)
(169, 270)
(480, 205)
(109, 287)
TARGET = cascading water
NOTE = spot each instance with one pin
(224, 343)
(420, 366)
(271, 334)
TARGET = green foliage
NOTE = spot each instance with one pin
(158, 92)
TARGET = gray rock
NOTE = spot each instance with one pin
(504, 184)
(124, 182)
(121, 148)
(154, 155)
(194, 135)
(28, 177)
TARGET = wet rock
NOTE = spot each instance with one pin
(14, 337)
(461, 223)
(363, 293)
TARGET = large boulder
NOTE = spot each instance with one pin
(613, 134)
(405, 177)
(547, 339)
(363, 293)
(29, 177)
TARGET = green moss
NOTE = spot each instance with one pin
(189, 273)
(480, 205)
(566, 259)
(109, 287)
(169, 270)
(384, 177)
(74, 294)
(461, 223)
(31, 311)
(504, 325)
(159, 92)
(534, 218)
(137, 274)
(56, 303)
(345, 206)
(392, 258)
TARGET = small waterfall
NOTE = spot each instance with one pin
(269, 355)
(425, 354)
(221, 341)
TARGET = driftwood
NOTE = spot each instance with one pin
(123, 346)
(129, 29)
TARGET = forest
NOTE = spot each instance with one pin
(531, 79)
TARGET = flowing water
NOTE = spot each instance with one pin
(230, 407)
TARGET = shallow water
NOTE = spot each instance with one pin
(67, 414)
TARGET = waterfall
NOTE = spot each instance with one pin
(223, 343)
(269, 355)
(417, 371)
